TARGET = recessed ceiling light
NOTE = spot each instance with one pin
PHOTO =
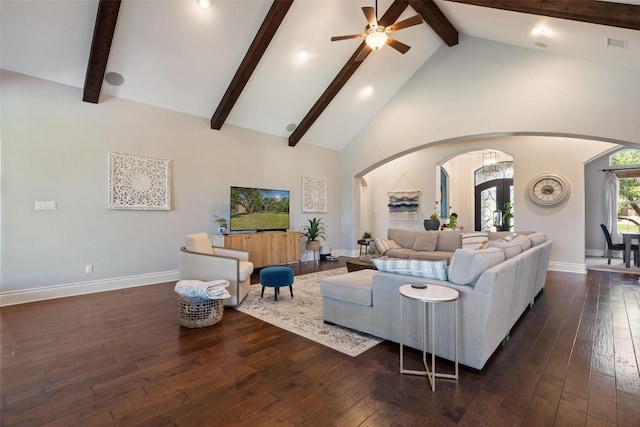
(303, 54)
(540, 44)
(204, 4)
(538, 31)
(290, 127)
(366, 92)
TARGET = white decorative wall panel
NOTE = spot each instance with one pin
(314, 194)
(139, 182)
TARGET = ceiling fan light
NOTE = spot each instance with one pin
(204, 4)
(376, 40)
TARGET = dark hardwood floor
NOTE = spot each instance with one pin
(121, 358)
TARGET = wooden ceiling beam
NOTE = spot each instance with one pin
(390, 16)
(434, 17)
(621, 15)
(259, 45)
(103, 31)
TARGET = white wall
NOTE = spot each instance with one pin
(480, 88)
(55, 148)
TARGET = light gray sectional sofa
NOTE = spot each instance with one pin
(496, 285)
(431, 245)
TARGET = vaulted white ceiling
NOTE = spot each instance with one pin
(174, 55)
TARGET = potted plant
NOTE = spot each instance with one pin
(507, 216)
(313, 231)
(222, 224)
(453, 221)
(367, 236)
(433, 223)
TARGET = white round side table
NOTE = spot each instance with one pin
(432, 294)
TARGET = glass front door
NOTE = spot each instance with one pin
(490, 197)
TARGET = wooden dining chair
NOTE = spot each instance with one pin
(619, 247)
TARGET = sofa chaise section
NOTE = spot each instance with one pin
(348, 300)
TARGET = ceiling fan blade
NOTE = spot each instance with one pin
(352, 36)
(409, 22)
(363, 53)
(370, 14)
(399, 46)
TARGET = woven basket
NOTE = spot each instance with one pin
(199, 312)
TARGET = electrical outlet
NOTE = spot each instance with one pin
(88, 269)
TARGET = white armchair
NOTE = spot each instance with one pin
(201, 261)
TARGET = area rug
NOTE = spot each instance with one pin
(616, 266)
(302, 314)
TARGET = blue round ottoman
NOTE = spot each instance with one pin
(274, 277)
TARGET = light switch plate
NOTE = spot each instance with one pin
(46, 206)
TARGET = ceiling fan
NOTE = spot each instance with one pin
(376, 35)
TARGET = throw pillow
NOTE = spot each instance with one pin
(510, 237)
(198, 243)
(449, 240)
(413, 267)
(426, 241)
(474, 240)
(404, 238)
(383, 245)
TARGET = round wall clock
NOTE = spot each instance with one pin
(549, 189)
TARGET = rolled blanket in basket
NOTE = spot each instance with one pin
(216, 289)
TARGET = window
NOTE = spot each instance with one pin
(627, 168)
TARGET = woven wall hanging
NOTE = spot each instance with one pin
(404, 203)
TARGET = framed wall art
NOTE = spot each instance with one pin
(314, 194)
(139, 182)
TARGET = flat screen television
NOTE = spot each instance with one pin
(259, 209)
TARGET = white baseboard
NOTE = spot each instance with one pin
(597, 252)
(568, 267)
(81, 288)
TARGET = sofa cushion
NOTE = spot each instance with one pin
(432, 256)
(405, 238)
(524, 241)
(199, 243)
(399, 253)
(498, 235)
(510, 249)
(426, 241)
(383, 245)
(355, 287)
(413, 267)
(474, 240)
(537, 238)
(449, 241)
(468, 264)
